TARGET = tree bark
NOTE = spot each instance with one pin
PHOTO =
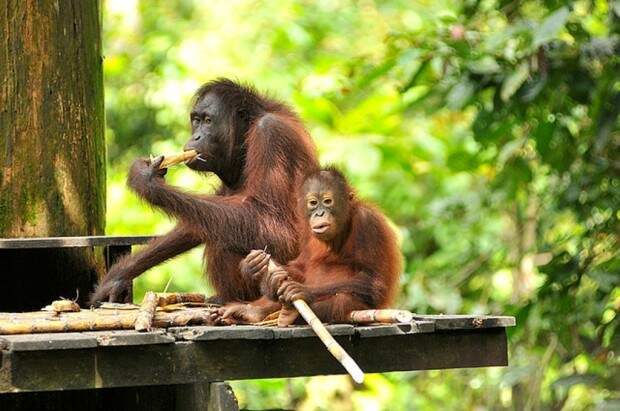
(52, 149)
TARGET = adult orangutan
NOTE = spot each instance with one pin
(260, 150)
(349, 259)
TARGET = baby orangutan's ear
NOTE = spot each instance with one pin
(351, 195)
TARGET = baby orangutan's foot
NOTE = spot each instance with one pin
(240, 313)
(288, 315)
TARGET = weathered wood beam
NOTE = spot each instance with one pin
(187, 362)
(73, 242)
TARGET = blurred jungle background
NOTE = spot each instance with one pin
(487, 130)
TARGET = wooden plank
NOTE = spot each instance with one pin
(467, 322)
(421, 326)
(378, 330)
(395, 329)
(44, 342)
(63, 242)
(186, 362)
(304, 331)
(130, 337)
(209, 333)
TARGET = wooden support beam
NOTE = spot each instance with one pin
(73, 242)
(195, 359)
(222, 397)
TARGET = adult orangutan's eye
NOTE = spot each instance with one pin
(207, 120)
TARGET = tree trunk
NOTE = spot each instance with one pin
(52, 149)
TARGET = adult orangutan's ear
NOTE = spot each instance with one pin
(243, 113)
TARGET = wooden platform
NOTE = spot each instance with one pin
(184, 368)
(187, 355)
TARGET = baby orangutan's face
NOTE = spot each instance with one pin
(326, 209)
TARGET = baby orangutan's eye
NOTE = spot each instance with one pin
(328, 201)
(313, 203)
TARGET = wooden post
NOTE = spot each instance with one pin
(51, 119)
(52, 156)
(222, 397)
(216, 396)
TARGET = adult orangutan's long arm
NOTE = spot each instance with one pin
(223, 221)
(117, 282)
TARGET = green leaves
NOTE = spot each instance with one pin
(460, 94)
(514, 81)
(550, 27)
(484, 65)
(486, 131)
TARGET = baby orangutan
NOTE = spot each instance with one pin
(349, 259)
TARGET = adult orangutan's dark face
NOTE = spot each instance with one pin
(211, 136)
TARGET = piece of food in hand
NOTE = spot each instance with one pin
(174, 159)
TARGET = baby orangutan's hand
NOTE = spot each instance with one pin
(272, 282)
(290, 291)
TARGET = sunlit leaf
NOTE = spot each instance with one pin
(514, 81)
(550, 27)
(518, 374)
(485, 65)
(615, 4)
(509, 150)
(460, 94)
(571, 380)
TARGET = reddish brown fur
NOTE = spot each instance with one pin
(359, 269)
(270, 152)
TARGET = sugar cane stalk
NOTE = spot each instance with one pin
(332, 345)
(179, 298)
(144, 319)
(380, 316)
(178, 158)
(326, 338)
(99, 320)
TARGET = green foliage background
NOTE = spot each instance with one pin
(487, 130)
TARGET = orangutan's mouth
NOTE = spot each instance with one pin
(197, 157)
(320, 228)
